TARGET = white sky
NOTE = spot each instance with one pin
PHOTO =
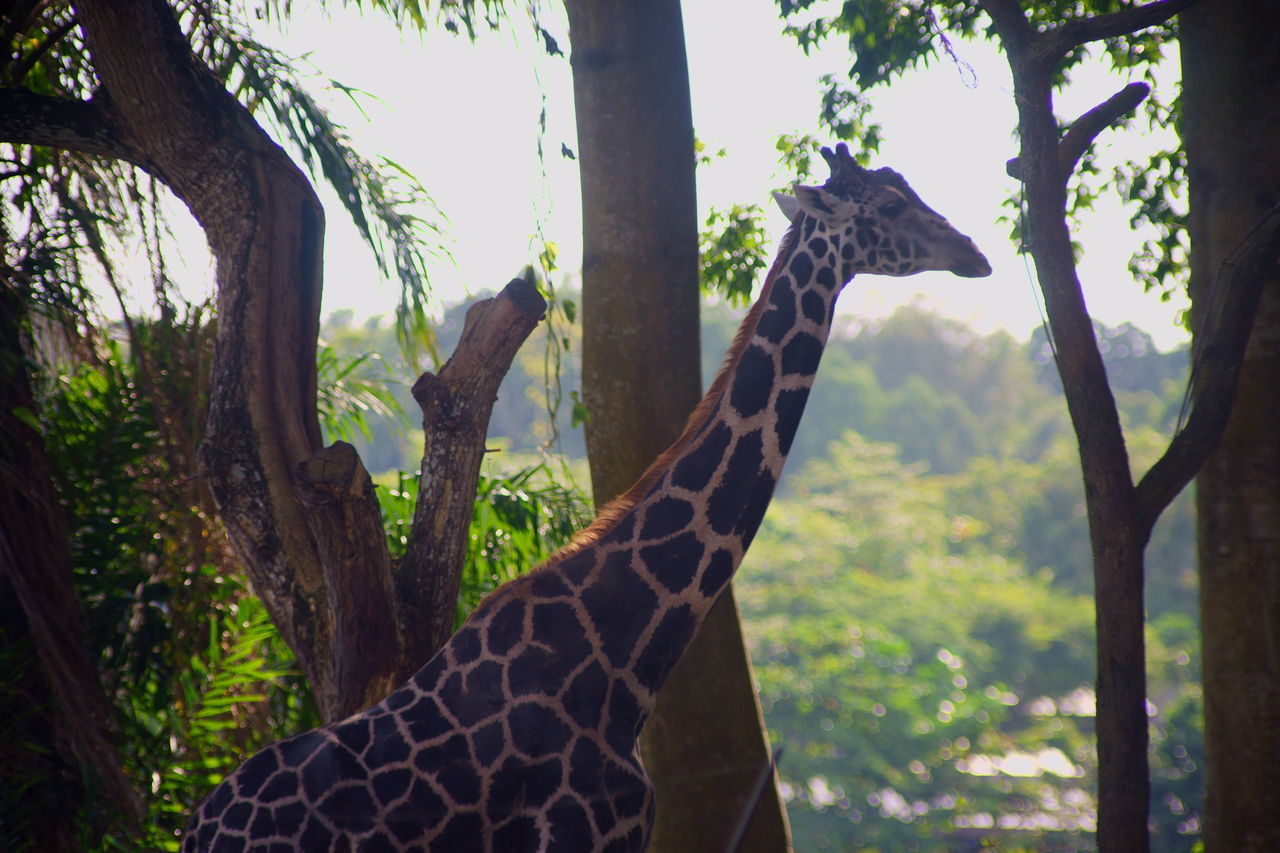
(463, 119)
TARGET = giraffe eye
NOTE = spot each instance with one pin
(894, 207)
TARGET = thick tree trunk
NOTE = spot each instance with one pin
(302, 518)
(705, 744)
(1231, 120)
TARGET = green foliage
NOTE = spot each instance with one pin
(732, 252)
(519, 520)
(908, 669)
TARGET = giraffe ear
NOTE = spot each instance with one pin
(788, 204)
(816, 201)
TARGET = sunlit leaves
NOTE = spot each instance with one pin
(732, 252)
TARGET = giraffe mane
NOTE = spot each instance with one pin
(614, 511)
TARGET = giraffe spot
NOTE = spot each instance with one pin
(237, 817)
(559, 620)
(331, 763)
(391, 785)
(780, 316)
(624, 718)
(469, 706)
(577, 566)
(458, 778)
(399, 699)
(719, 570)
(283, 784)
(666, 516)
(295, 750)
(665, 646)
(569, 825)
(818, 247)
(810, 224)
(674, 562)
(620, 605)
(826, 277)
(800, 357)
(465, 646)
(602, 814)
(548, 584)
(354, 735)
(349, 808)
(389, 746)
(423, 808)
(484, 677)
(584, 698)
(506, 628)
(757, 505)
(289, 818)
(425, 721)
(725, 503)
(255, 771)
(536, 730)
(488, 742)
(865, 237)
(694, 471)
(377, 843)
(815, 309)
(531, 672)
(519, 833)
(847, 251)
(506, 790)
(788, 408)
(622, 532)
(627, 789)
(464, 833)
(428, 677)
(752, 381)
(263, 824)
(586, 768)
(802, 268)
(315, 836)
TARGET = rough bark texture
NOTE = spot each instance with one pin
(1231, 119)
(302, 518)
(456, 405)
(1120, 517)
(640, 381)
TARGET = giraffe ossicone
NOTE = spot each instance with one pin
(520, 734)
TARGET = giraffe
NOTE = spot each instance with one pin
(520, 734)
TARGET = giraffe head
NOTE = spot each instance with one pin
(882, 224)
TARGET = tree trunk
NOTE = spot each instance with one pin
(705, 744)
(1231, 119)
(302, 518)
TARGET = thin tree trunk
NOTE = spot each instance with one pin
(1231, 120)
(705, 744)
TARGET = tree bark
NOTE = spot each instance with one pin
(702, 749)
(302, 518)
(1231, 118)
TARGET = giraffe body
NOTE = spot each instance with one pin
(520, 734)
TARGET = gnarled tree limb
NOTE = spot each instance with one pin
(456, 404)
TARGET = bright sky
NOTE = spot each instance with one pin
(464, 119)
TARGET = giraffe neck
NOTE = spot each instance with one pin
(672, 543)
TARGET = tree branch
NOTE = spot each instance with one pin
(1060, 40)
(1011, 23)
(1247, 271)
(456, 405)
(1084, 130)
(30, 119)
